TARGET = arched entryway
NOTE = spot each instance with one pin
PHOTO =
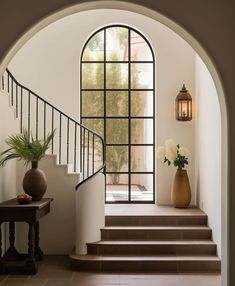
(192, 41)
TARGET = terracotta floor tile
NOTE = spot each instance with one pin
(54, 271)
(14, 281)
(148, 209)
(36, 282)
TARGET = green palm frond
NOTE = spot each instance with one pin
(25, 147)
(8, 157)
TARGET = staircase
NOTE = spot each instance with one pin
(74, 144)
(156, 243)
(166, 243)
(74, 161)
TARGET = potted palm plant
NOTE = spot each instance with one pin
(31, 150)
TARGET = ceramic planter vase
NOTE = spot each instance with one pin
(181, 191)
(34, 182)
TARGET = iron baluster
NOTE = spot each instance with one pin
(29, 113)
(83, 156)
(60, 139)
(8, 83)
(93, 153)
(81, 149)
(36, 118)
(88, 156)
(21, 109)
(75, 147)
(68, 141)
(16, 101)
(12, 92)
(52, 128)
(44, 120)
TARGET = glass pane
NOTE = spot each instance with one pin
(116, 76)
(116, 159)
(94, 50)
(141, 76)
(117, 103)
(96, 125)
(142, 187)
(116, 187)
(140, 50)
(117, 131)
(141, 158)
(92, 76)
(142, 131)
(117, 44)
(92, 103)
(142, 103)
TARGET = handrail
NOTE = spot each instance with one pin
(24, 99)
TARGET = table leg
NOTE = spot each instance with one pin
(11, 253)
(12, 234)
(38, 252)
(1, 262)
(30, 266)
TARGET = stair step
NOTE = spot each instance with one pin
(157, 220)
(192, 247)
(156, 232)
(155, 264)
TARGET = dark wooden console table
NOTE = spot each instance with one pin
(11, 211)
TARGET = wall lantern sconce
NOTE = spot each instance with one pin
(183, 105)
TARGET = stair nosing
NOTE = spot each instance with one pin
(178, 227)
(157, 215)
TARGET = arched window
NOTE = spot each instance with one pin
(118, 102)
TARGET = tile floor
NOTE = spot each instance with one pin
(54, 271)
(120, 193)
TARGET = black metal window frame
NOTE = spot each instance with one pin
(129, 117)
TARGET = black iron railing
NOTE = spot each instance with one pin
(73, 143)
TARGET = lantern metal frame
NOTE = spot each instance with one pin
(183, 105)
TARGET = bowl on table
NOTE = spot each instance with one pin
(24, 199)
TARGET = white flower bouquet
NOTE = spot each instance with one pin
(173, 153)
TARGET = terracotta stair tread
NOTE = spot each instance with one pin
(150, 263)
(184, 258)
(155, 220)
(153, 242)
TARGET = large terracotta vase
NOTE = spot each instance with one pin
(181, 191)
(34, 182)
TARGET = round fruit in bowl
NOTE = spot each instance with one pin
(24, 198)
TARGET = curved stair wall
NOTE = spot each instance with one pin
(89, 212)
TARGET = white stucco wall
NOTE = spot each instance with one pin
(208, 149)
(49, 64)
(90, 218)
(9, 125)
